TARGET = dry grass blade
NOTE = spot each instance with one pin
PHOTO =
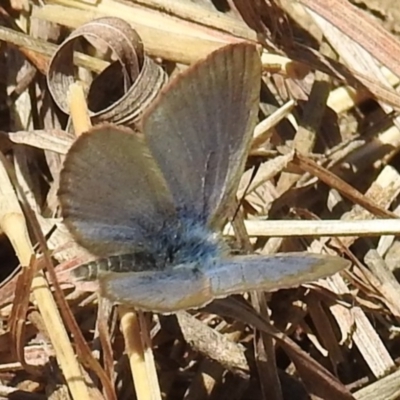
(18, 316)
(262, 132)
(214, 345)
(164, 37)
(386, 388)
(365, 337)
(354, 23)
(38, 48)
(305, 138)
(56, 141)
(138, 349)
(13, 223)
(347, 190)
(319, 380)
(79, 114)
(295, 228)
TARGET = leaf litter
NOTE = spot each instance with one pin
(324, 160)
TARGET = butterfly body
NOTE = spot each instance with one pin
(185, 242)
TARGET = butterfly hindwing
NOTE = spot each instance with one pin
(269, 273)
(160, 291)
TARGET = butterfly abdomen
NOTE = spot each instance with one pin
(131, 262)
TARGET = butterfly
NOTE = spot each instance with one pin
(151, 204)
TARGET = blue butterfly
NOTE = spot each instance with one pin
(151, 205)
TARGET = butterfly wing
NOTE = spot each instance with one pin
(188, 287)
(199, 129)
(163, 292)
(112, 193)
(270, 273)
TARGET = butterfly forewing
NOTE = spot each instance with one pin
(200, 127)
(112, 193)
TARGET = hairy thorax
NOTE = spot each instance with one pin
(189, 242)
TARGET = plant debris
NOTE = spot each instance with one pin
(322, 176)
